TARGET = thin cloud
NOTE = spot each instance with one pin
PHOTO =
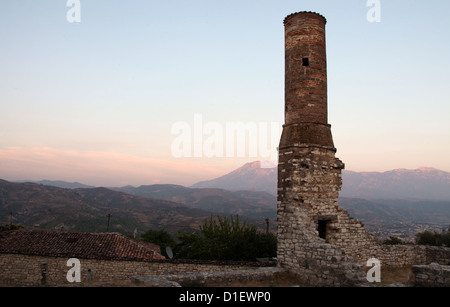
(99, 168)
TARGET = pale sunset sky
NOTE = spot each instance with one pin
(98, 99)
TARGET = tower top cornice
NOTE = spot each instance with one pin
(304, 13)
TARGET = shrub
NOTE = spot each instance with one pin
(226, 239)
(434, 238)
(159, 237)
(393, 241)
(8, 227)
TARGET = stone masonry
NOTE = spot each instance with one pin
(37, 271)
(433, 275)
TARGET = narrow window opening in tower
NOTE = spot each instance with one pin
(322, 228)
(305, 61)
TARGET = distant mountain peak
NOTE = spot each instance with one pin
(425, 169)
(256, 176)
(60, 184)
(422, 168)
(257, 165)
(424, 183)
(421, 183)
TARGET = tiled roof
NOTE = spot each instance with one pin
(84, 245)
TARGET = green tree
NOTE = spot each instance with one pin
(444, 238)
(10, 227)
(226, 239)
(159, 237)
(434, 238)
(426, 238)
(190, 246)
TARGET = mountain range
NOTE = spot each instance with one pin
(87, 209)
(170, 207)
(249, 177)
(257, 204)
(424, 183)
(398, 200)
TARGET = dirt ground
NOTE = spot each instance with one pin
(391, 275)
(388, 276)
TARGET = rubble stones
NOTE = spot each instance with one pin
(432, 275)
(212, 277)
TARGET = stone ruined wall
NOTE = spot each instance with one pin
(308, 188)
(350, 234)
(401, 255)
(440, 255)
(25, 270)
(309, 182)
(433, 275)
(405, 255)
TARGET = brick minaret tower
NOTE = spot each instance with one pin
(309, 174)
(318, 241)
(306, 114)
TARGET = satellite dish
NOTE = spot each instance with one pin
(169, 252)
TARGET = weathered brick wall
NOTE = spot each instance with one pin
(24, 270)
(306, 83)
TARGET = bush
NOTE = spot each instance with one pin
(393, 241)
(226, 239)
(159, 237)
(10, 227)
(433, 238)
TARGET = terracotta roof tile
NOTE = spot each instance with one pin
(84, 245)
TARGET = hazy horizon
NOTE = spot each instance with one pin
(188, 184)
(101, 100)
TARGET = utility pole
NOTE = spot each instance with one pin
(107, 228)
(267, 225)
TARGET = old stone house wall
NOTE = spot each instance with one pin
(26, 270)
